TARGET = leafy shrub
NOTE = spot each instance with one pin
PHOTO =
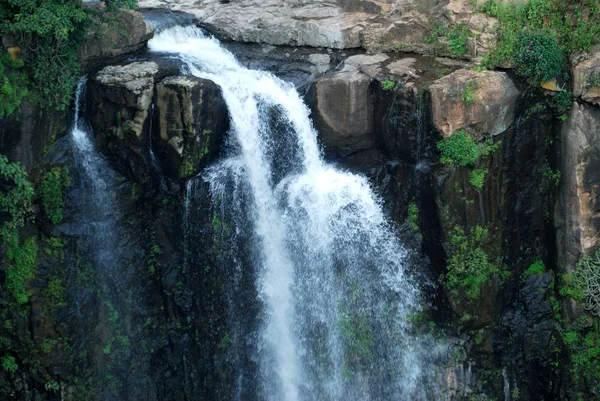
(538, 57)
(582, 284)
(13, 82)
(469, 268)
(387, 85)
(561, 103)
(53, 184)
(457, 39)
(9, 364)
(413, 216)
(22, 260)
(477, 177)
(459, 149)
(48, 32)
(468, 96)
(573, 25)
(15, 197)
(538, 267)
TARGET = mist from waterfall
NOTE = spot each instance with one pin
(332, 277)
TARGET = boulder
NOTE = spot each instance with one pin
(193, 120)
(343, 107)
(118, 108)
(586, 79)
(125, 33)
(577, 213)
(491, 108)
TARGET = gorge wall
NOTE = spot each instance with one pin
(152, 322)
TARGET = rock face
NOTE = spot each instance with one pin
(578, 206)
(192, 121)
(108, 42)
(586, 79)
(119, 101)
(344, 104)
(483, 102)
(334, 24)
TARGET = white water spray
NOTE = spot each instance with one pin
(331, 273)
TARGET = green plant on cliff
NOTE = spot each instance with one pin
(46, 35)
(582, 336)
(9, 364)
(538, 57)
(412, 217)
(469, 268)
(55, 181)
(387, 85)
(459, 149)
(583, 283)
(13, 81)
(539, 33)
(477, 177)
(15, 204)
(468, 96)
(458, 39)
(561, 104)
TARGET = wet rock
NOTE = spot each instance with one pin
(108, 41)
(578, 206)
(343, 111)
(491, 109)
(192, 121)
(118, 107)
(586, 79)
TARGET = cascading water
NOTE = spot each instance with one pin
(330, 274)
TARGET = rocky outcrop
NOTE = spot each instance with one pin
(126, 33)
(192, 121)
(578, 206)
(482, 102)
(586, 79)
(370, 24)
(119, 103)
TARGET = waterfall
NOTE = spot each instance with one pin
(331, 275)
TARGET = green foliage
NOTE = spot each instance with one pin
(13, 81)
(48, 33)
(357, 335)
(387, 85)
(477, 177)
(22, 262)
(469, 268)
(552, 175)
(15, 200)
(546, 28)
(457, 39)
(9, 364)
(413, 216)
(15, 205)
(561, 103)
(52, 385)
(538, 267)
(583, 283)
(582, 337)
(584, 349)
(225, 342)
(538, 57)
(55, 181)
(459, 149)
(468, 96)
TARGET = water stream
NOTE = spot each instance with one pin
(332, 279)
